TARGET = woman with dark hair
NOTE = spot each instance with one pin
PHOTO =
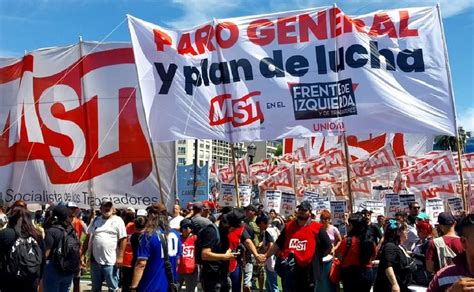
(356, 253)
(396, 266)
(150, 272)
(424, 229)
(20, 231)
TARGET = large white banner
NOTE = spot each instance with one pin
(72, 128)
(296, 74)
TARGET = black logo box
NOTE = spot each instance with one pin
(323, 99)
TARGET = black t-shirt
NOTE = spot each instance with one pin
(209, 239)
(393, 256)
(135, 242)
(374, 232)
(53, 236)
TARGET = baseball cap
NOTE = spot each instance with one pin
(61, 212)
(446, 218)
(185, 223)
(131, 209)
(306, 205)
(71, 205)
(142, 212)
(106, 201)
(198, 205)
(234, 217)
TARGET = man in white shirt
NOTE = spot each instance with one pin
(107, 239)
(177, 218)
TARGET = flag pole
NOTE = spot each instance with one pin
(236, 181)
(463, 191)
(348, 171)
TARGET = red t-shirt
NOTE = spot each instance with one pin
(302, 241)
(128, 254)
(187, 263)
(234, 241)
(352, 258)
(453, 242)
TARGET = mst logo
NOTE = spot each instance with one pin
(323, 100)
(299, 245)
(239, 112)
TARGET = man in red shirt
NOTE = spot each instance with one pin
(302, 244)
(460, 276)
(187, 269)
(446, 222)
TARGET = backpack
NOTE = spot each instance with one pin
(445, 253)
(67, 254)
(198, 243)
(24, 260)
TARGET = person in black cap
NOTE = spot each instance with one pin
(448, 246)
(251, 268)
(187, 268)
(55, 278)
(301, 245)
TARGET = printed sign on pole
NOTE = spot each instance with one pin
(377, 209)
(338, 208)
(433, 208)
(227, 196)
(272, 200)
(245, 195)
(185, 176)
(405, 200)
(456, 206)
(288, 204)
(392, 204)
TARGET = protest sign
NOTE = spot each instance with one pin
(227, 196)
(338, 208)
(272, 200)
(288, 204)
(405, 200)
(433, 208)
(185, 181)
(456, 206)
(264, 77)
(245, 195)
(392, 205)
(377, 209)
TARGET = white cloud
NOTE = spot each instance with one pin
(466, 118)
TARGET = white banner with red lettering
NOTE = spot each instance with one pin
(73, 129)
(272, 76)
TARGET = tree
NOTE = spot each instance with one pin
(444, 142)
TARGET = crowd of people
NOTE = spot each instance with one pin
(232, 249)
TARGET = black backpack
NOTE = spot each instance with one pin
(67, 254)
(198, 243)
(24, 260)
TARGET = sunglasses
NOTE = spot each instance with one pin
(415, 207)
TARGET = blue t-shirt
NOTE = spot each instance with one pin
(154, 277)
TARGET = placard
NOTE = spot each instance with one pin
(405, 200)
(227, 196)
(272, 200)
(288, 204)
(377, 208)
(392, 205)
(456, 206)
(433, 208)
(338, 208)
(245, 195)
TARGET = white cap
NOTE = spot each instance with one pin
(71, 205)
(142, 212)
(131, 209)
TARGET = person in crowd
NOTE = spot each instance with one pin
(251, 268)
(20, 231)
(373, 228)
(80, 228)
(196, 215)
(460, 275)
(150, 272)
(356, 253)
(324, 284)
(107, 239)
(301, 245)
(396, 267)
(276, 219)
(443, 249)
(344, 226)
(414, 211)
(140, 223)
(187, 268)
(3, 217)
(216, 252)
(424, 229)
(206, 210)
(401, 216)
(61, 265)
(127, 268)
(270, 235)
(381, 223)
(214, 195)
(176, 217)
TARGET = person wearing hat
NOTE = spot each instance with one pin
(460, 275)
(107, 239)
(187, 268)
(301, 245)
(443, 249)
(54, 277)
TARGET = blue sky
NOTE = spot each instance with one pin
(27, 25)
